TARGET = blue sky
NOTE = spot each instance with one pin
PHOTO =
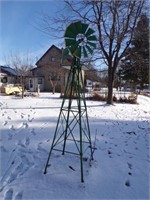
(18, 33)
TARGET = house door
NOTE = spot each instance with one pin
(31, 88)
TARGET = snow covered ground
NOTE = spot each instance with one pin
(120, 169)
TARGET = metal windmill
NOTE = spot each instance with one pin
(73, 124)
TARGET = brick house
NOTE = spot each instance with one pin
(49, 69)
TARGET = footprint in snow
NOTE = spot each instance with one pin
(130, 165)
(30, 120)
(40, 142)
(9, 195)
(14, 174)
(5, 123)
(8, 118)
(27, 164)
(33, 131)
(22, 116)
(127, 183)
(25, 125)
(39, 148)
(21, 144)
(19, 169)
(27, 142)
(18, 196)
(25, 160)
(12, 128)
(10, 136)
(129, 173)
(109, 152)
(3, 149)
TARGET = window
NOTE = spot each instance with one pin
(40, 81)
(31, 83)
(4, 79)
(53, 59)
(59, 78)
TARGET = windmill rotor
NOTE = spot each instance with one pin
(79, 40)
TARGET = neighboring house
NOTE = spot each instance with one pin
(50, 73)
(11, 81)
(34, 83)
(8, 80)
(49, 69)
(94, 85)
(7, 76)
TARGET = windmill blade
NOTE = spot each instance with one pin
(84, 52)
(91, 44)
(69, 34)
(69, 42)
(73, 48)
(78, 27)
(89, 32)
(72, 28)
(65, 54)
(89, 49)
(78, 52)
(92, 38)
(84, 28)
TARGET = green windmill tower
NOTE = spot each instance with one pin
(73, 124)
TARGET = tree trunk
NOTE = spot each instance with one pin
(110, 86)
(54, 88)
(22, 88)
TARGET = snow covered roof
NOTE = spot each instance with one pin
(8, 71)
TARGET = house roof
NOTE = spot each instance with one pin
(34, 68)
(53, 46)
(69, 58)
(8, 71)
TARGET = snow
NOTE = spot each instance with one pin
(120, 169)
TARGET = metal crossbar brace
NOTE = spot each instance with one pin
(73, 92)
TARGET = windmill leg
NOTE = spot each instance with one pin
(80, 125)
(81, 163)
(87, 121)
(45, 170)
(70, 86)
(81, 154)
(54, 138)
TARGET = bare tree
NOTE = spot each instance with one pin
(114, 22)
(22, 65)
(92, 73)
(54, 78)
